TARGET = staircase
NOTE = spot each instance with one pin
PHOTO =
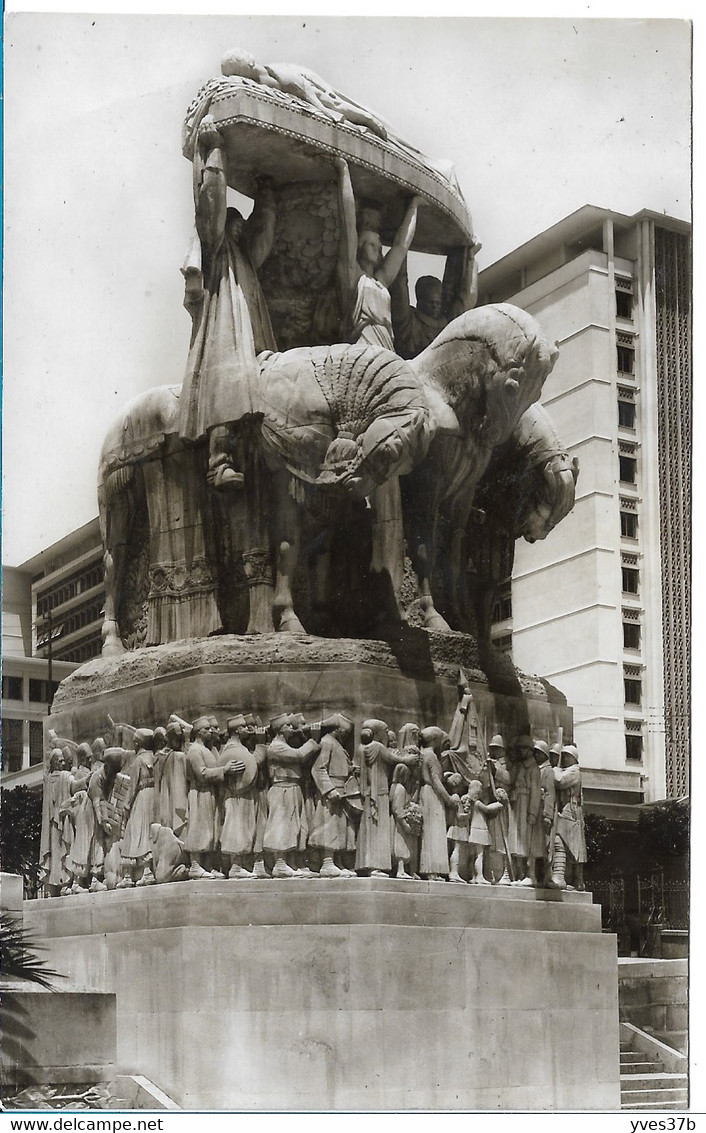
(645, 1081)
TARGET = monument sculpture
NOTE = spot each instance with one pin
(309, 531)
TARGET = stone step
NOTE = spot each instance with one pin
(631, 1055)
(679, 1104)
(652, 1099)
(658, 1081)
(643, 1067)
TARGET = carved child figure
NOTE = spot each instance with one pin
(478, 835)
(407, 816)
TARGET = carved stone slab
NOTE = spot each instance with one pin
(267, 132)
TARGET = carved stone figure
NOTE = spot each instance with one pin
(546, 772)
(239, 820)
(231, 323)
(100, 791)
(415, 328)
(203, 774)
(135, 848)
(463, 757)
(434, 799)
(407, 817)
(80, 860)
(364, 274)
(170, 861)
(376, 762)
(55, 837)
(333, 828)
(478, 833)
(526, 832)
(287, 828)
(363, 417)
(570, 838)
(500, 772)
(170, 783)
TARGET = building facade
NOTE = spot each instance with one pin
(602, 606)
(51, 622)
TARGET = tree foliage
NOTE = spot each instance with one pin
(20, 833)
(664, 828)
(599, 832)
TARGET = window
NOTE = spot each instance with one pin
(633, 690)
(626, 414)
(631, 580)
(628, 469)
(503, 643)
(623, 304)
(631, 635)
(626, 359)
(12, 688)
(633, 747)
(502, 610)
(39, 692)
(36, 741)
(628, 524)
(11, 745)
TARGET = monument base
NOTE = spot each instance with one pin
(413, 678)
(363, 994)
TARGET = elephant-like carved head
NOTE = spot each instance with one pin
(489, 366)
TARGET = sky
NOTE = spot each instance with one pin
(539, 116)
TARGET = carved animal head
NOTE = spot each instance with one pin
(552, 499)
(489, 365)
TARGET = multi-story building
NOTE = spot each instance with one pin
(51, 622)
(602, 606)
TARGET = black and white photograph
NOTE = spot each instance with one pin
(346, 564)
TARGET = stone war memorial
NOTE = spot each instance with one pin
(320, 839)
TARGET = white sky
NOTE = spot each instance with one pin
(540, 116)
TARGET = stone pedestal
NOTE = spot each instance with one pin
(411, 679)
(351, 994)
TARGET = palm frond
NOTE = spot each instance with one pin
(18, 955)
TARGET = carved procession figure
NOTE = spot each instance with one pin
(570, 838)
(434, 799)
(377, 762)
(171, 789)
(287, 828)
(240, 799)
(55, 838)
(333, 828)
(203, 774)
(548, 784)
(526, 832)
(501, 778)
(135, 848)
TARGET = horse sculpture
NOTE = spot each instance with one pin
(347, 433)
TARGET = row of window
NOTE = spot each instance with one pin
(68, 588)
(82, 616)
(13, 744)
(82, 650)
(40, 692)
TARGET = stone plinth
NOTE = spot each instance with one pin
(351, 994)
(412, 679)
(57, 1037)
